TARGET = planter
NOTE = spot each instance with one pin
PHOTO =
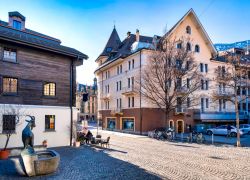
(4, 154)
(45, 143)
(77, 144)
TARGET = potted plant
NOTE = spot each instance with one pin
(78, 142)
(45, 143)
(4, 154)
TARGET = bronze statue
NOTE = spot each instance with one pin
(27, 134)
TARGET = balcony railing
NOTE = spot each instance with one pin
(116, 111)
(129, 90)
(105, 96)
(182, 90)
(180, 110)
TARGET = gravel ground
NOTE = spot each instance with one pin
(139, 157)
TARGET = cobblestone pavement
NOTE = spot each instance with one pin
(139, 157)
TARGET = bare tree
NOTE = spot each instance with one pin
(12, 111)
(231, 83)
(170, 77)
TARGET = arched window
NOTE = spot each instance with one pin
(188, 30)
(188, 46)
(197, 48)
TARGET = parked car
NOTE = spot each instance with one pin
(222, 130)
(245, 128)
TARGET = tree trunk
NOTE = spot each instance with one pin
(237, 118)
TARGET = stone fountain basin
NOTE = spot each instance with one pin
(47, 162)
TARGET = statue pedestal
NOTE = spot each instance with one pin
(29, 158)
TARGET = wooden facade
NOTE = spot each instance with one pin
(33, 68)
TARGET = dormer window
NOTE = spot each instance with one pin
(17, 25)
(188, 30)
(108, 49)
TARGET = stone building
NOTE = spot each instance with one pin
(122, 108)
(86, 100)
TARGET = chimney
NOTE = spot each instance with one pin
(16, 20)
(128, 34)
(137, 35)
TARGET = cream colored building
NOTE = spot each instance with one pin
(121, 108)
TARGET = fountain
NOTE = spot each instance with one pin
(37, 163)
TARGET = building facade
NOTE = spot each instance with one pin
(37, 78)
(122, 108)
(86, 101)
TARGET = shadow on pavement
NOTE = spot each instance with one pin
(84, 163)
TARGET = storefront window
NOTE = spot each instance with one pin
(111, 122)
(128, 124)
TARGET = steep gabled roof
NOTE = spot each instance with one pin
(34, 39)
(112, 44)
(204, 33)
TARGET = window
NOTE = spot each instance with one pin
(244, 91)
(49, 122)
(188, 47)
(117, 86)
(178, 83)
(128, 82)
(133, 101)
(10, 85)
(117, 103)
(108, 49)
(128, 101)
(206, 68)
(179, 46)
(188, 65)
(133, 64)
(128, 124)
(120, 69)
(197, 48)
(120, 102)
(188, 102)
(129, 65)
(9, 54)
(93, 108)
(201, 67)
(224, 104)
(132, 82)
(120, 85)
(188, 83)
(9, 123)
(206, 84)
(107, 104)
(49, 89)
(111, 123)
(207, 102)
(202, 84)
(107, 89)
(220, 104)
(188, 30)
(202, 104)
(178, 64)
(117, 69)
(17, 25)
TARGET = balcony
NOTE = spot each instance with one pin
(219, 116)
(181, 90)
(105, 96)
(180, 110)
(129, 91)
(116, 111)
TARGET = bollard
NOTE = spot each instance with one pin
(212, 138)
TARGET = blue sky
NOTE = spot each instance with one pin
(86, 25)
